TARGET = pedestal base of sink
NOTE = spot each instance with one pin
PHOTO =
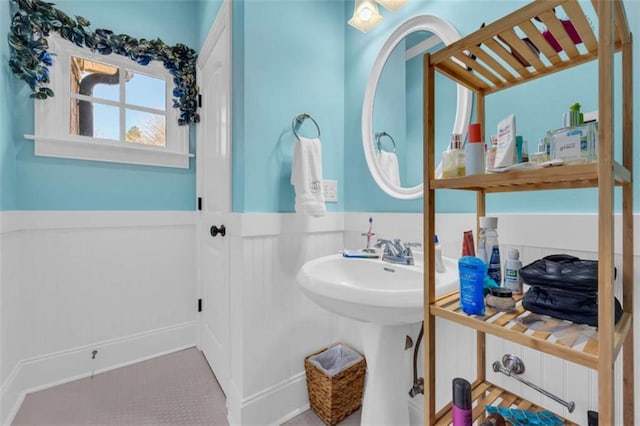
(386, 390)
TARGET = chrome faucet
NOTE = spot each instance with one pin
(397, 252)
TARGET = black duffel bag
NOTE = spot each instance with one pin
(567, 305)
(563, 272)
(564, 287)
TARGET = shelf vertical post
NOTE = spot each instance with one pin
(429, 234)
(627, 229)
(481, 359)
(606, 321)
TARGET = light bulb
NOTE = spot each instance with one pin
(365, 15)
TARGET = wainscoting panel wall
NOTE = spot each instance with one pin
(275, 324)
(123, 283)
(120, 283)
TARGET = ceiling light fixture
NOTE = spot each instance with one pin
(365, 15)
(392, 5)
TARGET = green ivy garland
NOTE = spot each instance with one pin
(29, 61)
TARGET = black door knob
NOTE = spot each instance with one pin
(215, 231)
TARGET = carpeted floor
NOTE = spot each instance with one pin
(175, 389)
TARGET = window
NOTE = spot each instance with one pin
(109, 108)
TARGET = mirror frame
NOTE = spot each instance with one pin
(448, 34)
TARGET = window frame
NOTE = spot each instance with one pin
(55, 140)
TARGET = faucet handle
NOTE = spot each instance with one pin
(414, 245)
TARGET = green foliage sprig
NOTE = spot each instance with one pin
(30, 60)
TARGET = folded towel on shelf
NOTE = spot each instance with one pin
(306, 177)
(389, 166)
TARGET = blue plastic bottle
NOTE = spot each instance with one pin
(472, 271)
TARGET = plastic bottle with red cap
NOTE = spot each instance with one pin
(475, 151)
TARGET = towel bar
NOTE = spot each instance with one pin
(299, 119)
(513, 366)
(380, 135)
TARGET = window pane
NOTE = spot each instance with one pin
(142, 90)
(146, 128)
(94, 120)
(96, 79)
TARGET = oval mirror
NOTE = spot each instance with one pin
(392, 132)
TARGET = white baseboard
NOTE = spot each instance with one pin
(271, 406)
(49, 370)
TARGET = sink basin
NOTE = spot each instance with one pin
(371, 290)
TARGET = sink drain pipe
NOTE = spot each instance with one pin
(418, 382)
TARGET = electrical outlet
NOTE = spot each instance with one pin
(330, 190)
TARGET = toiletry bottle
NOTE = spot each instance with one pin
(488, 247)
(525, 151)
(512, 278)
(491, 154)
(462, 404)
(471, 273)
(439, 263)
(518, 156)
(457, 142)
(475, 151)
(450, 158)
(576, 142)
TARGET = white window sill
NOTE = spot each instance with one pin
(113, 152)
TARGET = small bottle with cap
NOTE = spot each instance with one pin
(474, 161)
(512, 278)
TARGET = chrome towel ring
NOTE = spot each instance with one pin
(379, 136)
(299, 119)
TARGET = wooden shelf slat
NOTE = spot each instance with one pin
(540, 42)
(530, 66)
(580, 23)
(553, 24)
(486, 393)
(556, 177)
(503, 24)
(501, 325)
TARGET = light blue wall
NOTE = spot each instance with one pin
(7, 140)
(60, 184)
(288, 59)
(538, 106)
(206, 11)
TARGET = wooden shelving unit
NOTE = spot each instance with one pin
(502, 61)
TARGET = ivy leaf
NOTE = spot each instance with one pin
(82, 22)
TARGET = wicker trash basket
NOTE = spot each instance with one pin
(333, 395)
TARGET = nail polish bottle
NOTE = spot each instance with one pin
(462, 404)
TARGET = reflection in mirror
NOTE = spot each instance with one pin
(398, 106)
(393, 106)
(387, 157)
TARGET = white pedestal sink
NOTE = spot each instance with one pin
(387, 298)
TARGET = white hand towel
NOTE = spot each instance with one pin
(389, 166)
(306, 177)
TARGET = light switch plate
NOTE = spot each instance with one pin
(330, 189)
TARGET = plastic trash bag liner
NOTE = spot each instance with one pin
(564, 272)
(335, 359)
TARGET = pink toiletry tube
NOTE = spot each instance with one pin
(462, 404)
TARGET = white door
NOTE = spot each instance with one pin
(213, 153)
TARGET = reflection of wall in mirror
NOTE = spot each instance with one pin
(398, 109)
(389, 114)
